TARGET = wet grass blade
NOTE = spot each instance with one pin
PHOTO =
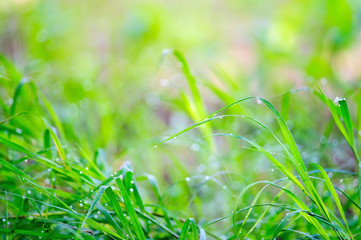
(334, 195)
(97, 197)
(189, 223)
(59, 148)
(130, 209)
(32, 182)
(118, 210)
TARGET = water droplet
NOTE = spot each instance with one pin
(337, 99)
(81, 205)
(259, 101)
(92, 190)
(106, 204)
(29, 192)
(341, 180)
(81, 172)
(188, 179)
(206, 177)
(26, 160)
(95, 216)
(155, 146)
(4, 220)
(224, 187)
(323, 81)
(24, 197)
(49, 170)
(18, 131)
(121, 177)
(132, 182)
(195, 147)
(86, 168)
(272, 169)
(111, 175)
(131, 190)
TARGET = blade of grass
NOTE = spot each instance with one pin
(114, 202)
(97, 197)
(185, 229)
(129, 206)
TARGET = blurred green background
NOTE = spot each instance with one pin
(101, 65)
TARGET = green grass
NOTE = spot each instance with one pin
(54, 189)
(231, 132)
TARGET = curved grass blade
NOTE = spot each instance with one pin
(153, 182)
(334, 195)
(295, 199)
(267, 209)
(195, 106)
(283, 223)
